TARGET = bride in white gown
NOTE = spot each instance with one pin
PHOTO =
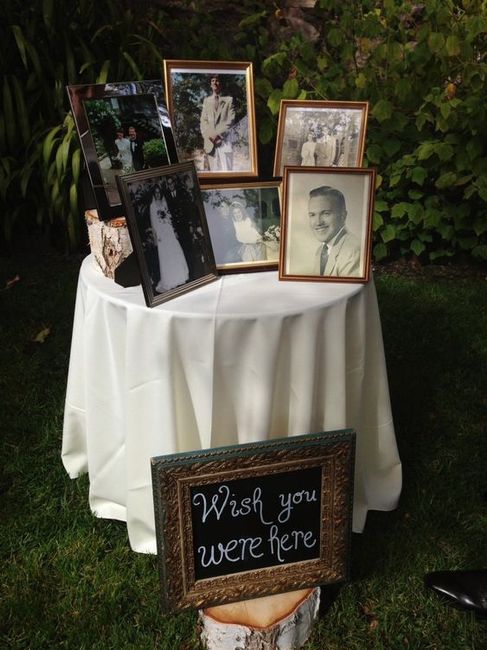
(172, 263)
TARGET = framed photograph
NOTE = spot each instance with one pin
(244, 224)
(123, 128)
(240, 522)
(327, 224)
(168, 230)
(320, 134)
(211, 104)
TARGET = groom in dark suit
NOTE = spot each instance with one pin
(217, 118)
(181, 208)
(136, 149)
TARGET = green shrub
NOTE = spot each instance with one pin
(422, 67)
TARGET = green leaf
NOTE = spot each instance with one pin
(446, 180)
(476, 24)
(263, 87)
(391, 146)
(436, 42)
(266, 131)
(8, 109)
(334, 37)
(274, 61)
(382, 110)
(388, 234)
(417, 247)
(274, 101)
(380, 251)
(20, 40)
(21, 109)
(76, 165)
(480, 226)
(419, 175)
(133, 66)
(254, 19)
(452, 45)
(415, 194)
(444, 151)
(399, 210)
(425, 150)
(48, 144)
(47, 13)
(381, 206)
(378, 221)
(374, 153)
(102, 77)
(360, 80)
(59, 164)
(290, 89)
(480, 251)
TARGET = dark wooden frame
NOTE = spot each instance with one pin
(313, 107)
(237, 190)
(311, 178)
(173, 476)
(206, 69)
(133, 217)
(77, 95)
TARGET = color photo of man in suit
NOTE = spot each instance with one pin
(339, 251)
(216, 122)
(136, 149)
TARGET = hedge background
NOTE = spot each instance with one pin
(421, 66)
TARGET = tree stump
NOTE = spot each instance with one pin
(280, 622)
(109, 242)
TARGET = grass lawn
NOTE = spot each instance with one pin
(69, 580)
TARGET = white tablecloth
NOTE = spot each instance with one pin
(244, 358)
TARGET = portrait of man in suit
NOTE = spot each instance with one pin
(339, 251)
(136, 149)
(216, 122)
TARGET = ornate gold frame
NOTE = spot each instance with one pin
(174, 475)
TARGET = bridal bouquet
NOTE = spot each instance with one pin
(273, 233)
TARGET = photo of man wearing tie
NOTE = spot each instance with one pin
(216, 122)
(339, 251)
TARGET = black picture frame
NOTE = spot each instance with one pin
(168, 230)
(99, 110)
(226, 532)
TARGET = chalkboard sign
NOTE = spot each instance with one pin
(239, 522)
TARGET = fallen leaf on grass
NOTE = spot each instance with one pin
(42, 335)
(10, 283)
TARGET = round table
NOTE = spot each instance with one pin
(245, 358)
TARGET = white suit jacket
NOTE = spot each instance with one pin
(343, 258)
(217, 122)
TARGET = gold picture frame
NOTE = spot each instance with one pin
(327, 224)
(240, 522)
(211, 104)
(315, 133)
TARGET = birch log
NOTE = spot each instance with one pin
(280, 622)
(109, 242)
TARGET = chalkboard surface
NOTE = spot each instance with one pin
(239, 522)
(253, 523)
